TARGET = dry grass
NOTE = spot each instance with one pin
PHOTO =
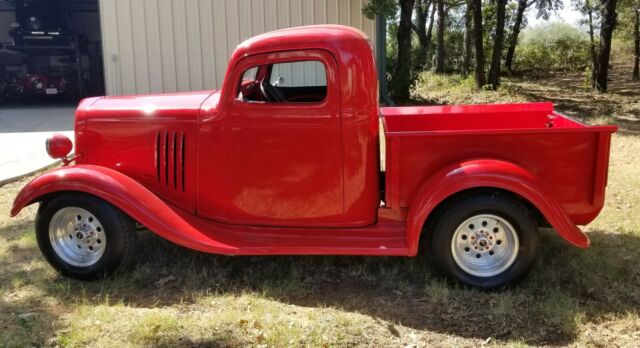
(176, 297)
(567, 90)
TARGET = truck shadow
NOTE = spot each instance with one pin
(567, 287)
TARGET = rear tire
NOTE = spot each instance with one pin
(485, 241)
(84, 237)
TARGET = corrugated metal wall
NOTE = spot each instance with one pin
(153, 46)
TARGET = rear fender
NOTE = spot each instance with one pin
(125, 193)
(492, 174)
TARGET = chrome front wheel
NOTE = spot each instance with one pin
(77, 236)
(84, 236)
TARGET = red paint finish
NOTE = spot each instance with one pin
(216, 173)
(188, 230)
(151, 138)
(556, 163)
(295, 178)
(58, 146)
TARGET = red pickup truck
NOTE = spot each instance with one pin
(286, 159)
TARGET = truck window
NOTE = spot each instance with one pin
(289, 82)
(250, 74)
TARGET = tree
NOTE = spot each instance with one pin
(589, 9)
(496, 58)
(608, 23)
(402, 76)
(513, 39)
(466, 50)
(636, 40)
(592, 45)
(478, 36)
(423, 7)
(544, 9)
(628, 30)
(440, 26)
(384, 8)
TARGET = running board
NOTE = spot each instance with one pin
(386, 238)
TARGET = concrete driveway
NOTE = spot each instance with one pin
(39, 118)
(23, 131)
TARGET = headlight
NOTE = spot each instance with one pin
(58, 146)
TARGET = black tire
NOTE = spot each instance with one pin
(119, 231)
(504, 207)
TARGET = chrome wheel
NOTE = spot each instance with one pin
(77, 237)
(485, 245)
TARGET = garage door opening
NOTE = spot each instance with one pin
(50, 51)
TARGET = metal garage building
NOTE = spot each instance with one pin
(152, 46)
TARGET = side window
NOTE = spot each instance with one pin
(247, 87)
(289, 82)
(250, 74)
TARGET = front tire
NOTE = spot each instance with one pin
(486, 241)
(84, 237)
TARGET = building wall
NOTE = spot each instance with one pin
(153, 46)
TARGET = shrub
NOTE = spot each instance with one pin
(552, 46)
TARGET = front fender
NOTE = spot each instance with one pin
(495, 174)
(126, 194)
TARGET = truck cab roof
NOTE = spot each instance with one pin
(320, 36)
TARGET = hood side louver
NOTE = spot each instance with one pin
(170, 159)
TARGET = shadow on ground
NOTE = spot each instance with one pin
(567, 287)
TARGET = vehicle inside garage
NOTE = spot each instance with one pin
(50, 51)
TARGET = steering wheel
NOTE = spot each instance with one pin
(271, 94)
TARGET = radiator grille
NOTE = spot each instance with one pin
(170, 159)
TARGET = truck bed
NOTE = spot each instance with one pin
(571, 157)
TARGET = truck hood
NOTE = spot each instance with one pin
(179, 105)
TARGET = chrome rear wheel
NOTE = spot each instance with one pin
(485, 245)
(487, 240)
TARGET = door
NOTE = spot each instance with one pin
(284, 151)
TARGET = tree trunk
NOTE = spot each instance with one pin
(440, 26)
(402, 76)
(513, 40)
(494, 71)
(430, 33)
(606, 32)
(636, 61)
(466, 49)
(420, 28)
(592, 40)
(478, 43)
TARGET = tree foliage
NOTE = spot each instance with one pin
(491, 38)
(553, 46)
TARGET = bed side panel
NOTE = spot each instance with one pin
(565, 161)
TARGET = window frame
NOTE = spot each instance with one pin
(267, 59)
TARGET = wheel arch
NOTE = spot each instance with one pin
(478, 176)
(531, 209)
(126, 194)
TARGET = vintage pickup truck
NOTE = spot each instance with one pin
(286, 159)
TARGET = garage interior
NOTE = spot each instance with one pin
(50, 51)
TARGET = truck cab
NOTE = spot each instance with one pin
(286, 159)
